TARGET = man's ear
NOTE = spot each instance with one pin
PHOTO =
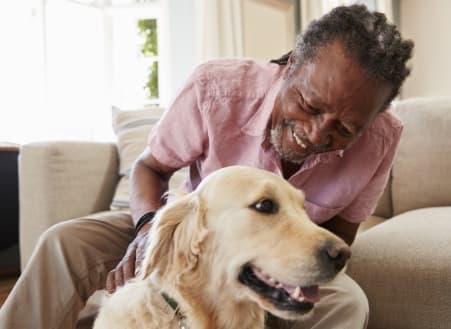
(291, 59)
(291, 62)
(175, 241)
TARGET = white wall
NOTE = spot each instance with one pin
(428, 24)
(268, 32)
(268, 28)
(182, 41)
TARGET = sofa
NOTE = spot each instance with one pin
(401, 256)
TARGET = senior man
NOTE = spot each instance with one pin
(317, 116)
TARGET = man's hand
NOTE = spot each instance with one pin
(130, 264)
(149, 180)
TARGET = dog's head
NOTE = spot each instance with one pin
(244, 232)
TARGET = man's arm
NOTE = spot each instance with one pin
(149, 181)
(341, 227)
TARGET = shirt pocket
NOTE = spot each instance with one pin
(321, 213)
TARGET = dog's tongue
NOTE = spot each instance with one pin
(311, 293)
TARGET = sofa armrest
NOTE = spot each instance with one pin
(62, 180)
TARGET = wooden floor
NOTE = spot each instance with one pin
(9, 270)
(6, 284)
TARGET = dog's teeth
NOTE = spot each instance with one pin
(296, 293)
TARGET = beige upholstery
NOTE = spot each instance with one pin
(425, 148)
(131, 128)
(404, 267)
(59, 181)
(401, 262)
(385, 207)
(370, 223)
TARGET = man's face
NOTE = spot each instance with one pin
(324, 105)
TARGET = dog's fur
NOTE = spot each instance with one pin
(200, 242)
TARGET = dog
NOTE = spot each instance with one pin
(219, 257)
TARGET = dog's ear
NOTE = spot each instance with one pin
(175, 241)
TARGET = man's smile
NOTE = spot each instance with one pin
(298, 140)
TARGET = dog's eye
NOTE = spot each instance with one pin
(266, 206)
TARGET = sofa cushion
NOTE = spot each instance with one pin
(403, 266)
(384, 206)
(421, 171)
(131, 128)
(371, 222)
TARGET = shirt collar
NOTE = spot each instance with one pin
(258, 124)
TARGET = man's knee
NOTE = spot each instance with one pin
(59, 235)
(354, 302)
(86, 242)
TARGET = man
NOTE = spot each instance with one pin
(317, 116)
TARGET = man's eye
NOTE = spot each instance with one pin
(266, 206)
(343, 131)
(310, 110)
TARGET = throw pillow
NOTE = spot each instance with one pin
(132, 128)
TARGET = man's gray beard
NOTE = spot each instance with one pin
(276, 137)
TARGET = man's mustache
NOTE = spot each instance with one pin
(316, 148)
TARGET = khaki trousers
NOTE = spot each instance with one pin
(72, 259)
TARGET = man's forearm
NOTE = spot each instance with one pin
(344, 229)
(146, 190)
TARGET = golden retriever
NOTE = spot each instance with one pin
(239, 245)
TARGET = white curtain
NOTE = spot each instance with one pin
(76, 103)
(313, 9)
(22, 69)
(219, 29)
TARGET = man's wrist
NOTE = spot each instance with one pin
(143, 220)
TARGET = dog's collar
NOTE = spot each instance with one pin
(175, 306)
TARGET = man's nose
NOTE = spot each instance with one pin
(320, 132)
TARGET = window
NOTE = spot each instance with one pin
(64, 63)
(136, 55)
(148, 29)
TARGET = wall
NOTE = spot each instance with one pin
(182, 41)
(268, 28)
(428, 24)
(268, 32)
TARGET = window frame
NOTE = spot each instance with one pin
(149, 10)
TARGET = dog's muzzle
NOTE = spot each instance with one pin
(283, 297)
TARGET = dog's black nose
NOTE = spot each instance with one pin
(335, 254)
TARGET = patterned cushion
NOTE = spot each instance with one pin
(131, 128)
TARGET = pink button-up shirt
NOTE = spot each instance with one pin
(220, 118)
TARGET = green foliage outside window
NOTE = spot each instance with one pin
(148, 29)
(152, 80)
